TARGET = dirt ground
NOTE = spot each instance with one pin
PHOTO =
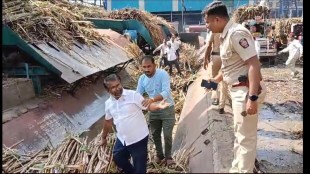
(280, 127)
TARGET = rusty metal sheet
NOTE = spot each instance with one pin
(82, 60)
(49, 122)
(114, 36)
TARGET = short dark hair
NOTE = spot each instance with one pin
(216, 8)
(109, 78)
(148, 57)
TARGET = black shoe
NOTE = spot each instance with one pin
(215, 101)
(221, 111)
(257, 169)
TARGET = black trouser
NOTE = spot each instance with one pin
(163, 58)
(138, 152)
(176, 63)
(177, 53)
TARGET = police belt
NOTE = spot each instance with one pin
(215, 53)
(241, 84)
(247, 85)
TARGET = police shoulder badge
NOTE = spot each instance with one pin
(244, 43)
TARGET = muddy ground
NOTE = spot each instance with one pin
(280, 127)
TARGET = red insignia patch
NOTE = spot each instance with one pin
(244, 43)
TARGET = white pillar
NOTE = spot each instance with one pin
(141, 4)
(175, 5)
(251, 2)
(109, 5)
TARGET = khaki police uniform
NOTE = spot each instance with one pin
(237, 46)
(215, 67)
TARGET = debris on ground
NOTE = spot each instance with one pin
(73, 155)
(287, 89)
(297, 134)
(76, 155)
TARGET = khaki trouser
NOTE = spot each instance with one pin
(245, 130)
(213, 70)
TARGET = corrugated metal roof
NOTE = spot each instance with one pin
(82, 60)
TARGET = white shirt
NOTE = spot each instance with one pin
(171, 54)
(162, 48)
(263, 3)
(127, 116)
(176, 44)
(295, 49)
(257, 47)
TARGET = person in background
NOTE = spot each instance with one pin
(176, 43)
(172, 59)
(124, 108)
(295, 50)
(301, 38)
(163, 56)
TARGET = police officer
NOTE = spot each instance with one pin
(241, 71)
(213, 52)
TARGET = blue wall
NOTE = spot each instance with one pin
(192, 5)
(157, 5)
(166, 5)
(240, 3)
(119, 4)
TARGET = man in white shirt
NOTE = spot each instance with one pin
(124, 108)
(295, 50)
(172, 59)
(162, 56)
(175, 43)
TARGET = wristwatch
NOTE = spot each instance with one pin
(253, 97)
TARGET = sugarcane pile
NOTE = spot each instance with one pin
(73, 155)
(38, 20)
(181, 158)
(283, 27)
(189, 55)
(249, 12)
(76, 155)
(134, 52)
(86, 10)
(151, 22)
